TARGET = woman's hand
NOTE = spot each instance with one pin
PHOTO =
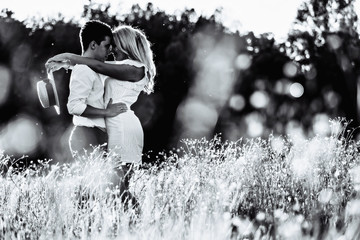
(54, 66)
(62, 57)
(58, 61)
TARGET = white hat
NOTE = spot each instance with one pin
(46, 90)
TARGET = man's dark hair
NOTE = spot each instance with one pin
(94, 31)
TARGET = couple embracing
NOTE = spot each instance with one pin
(102, 92)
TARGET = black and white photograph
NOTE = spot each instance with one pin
(180, 120)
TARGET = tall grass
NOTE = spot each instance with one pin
(209, 189)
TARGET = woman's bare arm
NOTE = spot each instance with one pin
(122, 72)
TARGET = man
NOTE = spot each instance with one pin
(85, 100)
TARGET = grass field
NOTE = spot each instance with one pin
(250, 189)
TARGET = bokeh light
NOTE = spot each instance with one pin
(21, 136)
(345, 63)
(255, 126)
(296, 90)
(5, 83)
(212, 87)
(332, 99)
(243, 61)
(237, 102)
(278, 144)
(234, 129)
(21, 58)
(334, 41)
(310, 71)
(198, 117)
(321, 124)
(290, 69)
(295, 131)
(282, 86)
(259, 99)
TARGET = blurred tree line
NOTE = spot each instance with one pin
(277, 86)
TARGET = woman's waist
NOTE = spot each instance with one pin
(128, 102)
(127, 114)
(128, 119)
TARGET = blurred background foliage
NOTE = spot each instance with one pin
(210, 80)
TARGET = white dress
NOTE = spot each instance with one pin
(125, 133)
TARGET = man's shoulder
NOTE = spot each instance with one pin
(82, 67)
(83, 70)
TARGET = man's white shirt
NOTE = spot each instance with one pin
(86, 88)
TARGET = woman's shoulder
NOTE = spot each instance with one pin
(130, 62)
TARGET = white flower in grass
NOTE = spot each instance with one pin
(300, 218)
(300, 165)
(355, 177)
(261, 216)
(233, 187)
(290, 230)
(278, 213)
(353, 209)
(325, 195)
(226, 216)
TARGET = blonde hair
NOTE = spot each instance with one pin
(134, 44)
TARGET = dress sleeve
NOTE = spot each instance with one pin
(131, 62)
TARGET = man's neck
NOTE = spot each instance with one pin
(88, 54)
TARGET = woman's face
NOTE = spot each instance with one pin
(119, 55)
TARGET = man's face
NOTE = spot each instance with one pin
(119, 55)
(103, 49)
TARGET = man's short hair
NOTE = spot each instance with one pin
(93, 30)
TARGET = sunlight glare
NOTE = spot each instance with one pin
(213, 85)
(199, 118)
(21, 136)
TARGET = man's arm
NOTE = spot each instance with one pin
(80, 87)
(111, 110)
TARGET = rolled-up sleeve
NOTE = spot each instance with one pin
(81, 83)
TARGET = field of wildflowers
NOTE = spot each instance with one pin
(250, 189)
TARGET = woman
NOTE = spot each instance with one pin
(125, 133)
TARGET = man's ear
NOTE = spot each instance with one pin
(93, 45)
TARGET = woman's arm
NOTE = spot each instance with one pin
(54, 66)
(123, 72)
